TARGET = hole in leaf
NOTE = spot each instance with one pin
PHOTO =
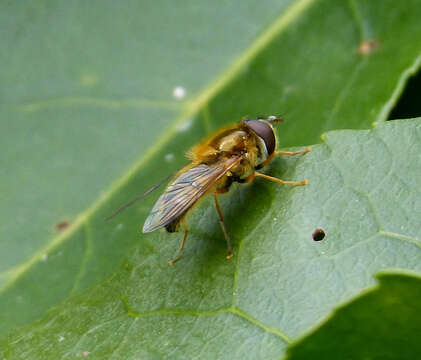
(318, 234)
(409, 105)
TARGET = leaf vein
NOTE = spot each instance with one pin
(258, 323)
(91, 101)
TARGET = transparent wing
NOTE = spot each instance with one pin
(140, 197)
(184, 191)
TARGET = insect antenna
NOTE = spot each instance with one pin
(141, 196)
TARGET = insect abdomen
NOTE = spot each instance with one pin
(173, 226)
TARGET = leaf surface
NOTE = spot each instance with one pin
(363, 192)
(89, 118)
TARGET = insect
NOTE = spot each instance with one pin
(232, 154)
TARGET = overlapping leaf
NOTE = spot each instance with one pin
(384, 323)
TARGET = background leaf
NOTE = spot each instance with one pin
(363, 191)
(88, 93)
(383, 323)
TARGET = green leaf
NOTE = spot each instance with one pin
(87, 93)
(383, 323)
(363, 192)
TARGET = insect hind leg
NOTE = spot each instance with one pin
(221, 222)
(180, 250)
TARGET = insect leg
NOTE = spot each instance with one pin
(279, 181)
(292, 153)
(180, 250)
(289, 153)
(221, 222)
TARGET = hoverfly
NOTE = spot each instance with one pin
(231, 154)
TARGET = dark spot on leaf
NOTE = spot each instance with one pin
(318, 234)
(368, 46)
(62, 225)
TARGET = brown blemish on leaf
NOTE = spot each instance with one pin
(62, 225)
(368, 46)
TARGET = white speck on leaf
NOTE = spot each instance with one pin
(185, 125)
(60, 338)
(169, 157)
(179, 92)
(44, 257)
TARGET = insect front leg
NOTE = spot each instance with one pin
(183, 242)
(221, 222)
(274, 179)
(293, 153)
(288, 153)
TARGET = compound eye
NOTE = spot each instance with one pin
(264, 131)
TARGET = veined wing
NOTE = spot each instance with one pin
(184, 191)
